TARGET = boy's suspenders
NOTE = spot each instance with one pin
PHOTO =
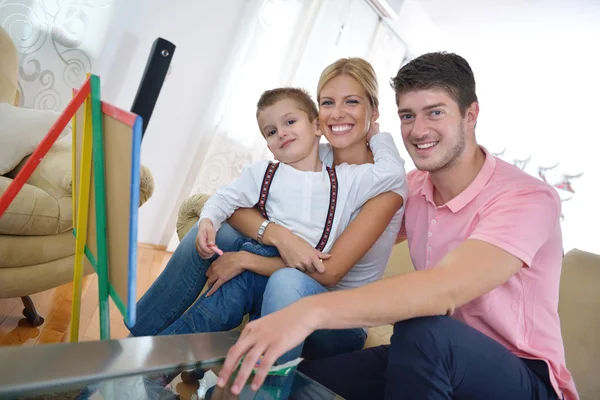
(264, 193)
(264, 190)
(331, 212)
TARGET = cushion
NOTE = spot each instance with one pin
(22, 129)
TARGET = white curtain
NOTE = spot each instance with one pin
(265, 64)
(292, 41)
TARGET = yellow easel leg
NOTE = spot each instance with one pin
(74, 164)
(81, 224)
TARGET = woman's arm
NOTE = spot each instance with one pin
(231, 264)
(359, 237)
(349, 248)
(295, 252)
(247, 221)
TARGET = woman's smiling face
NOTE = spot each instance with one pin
(345, 112)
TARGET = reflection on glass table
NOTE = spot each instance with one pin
(136, 368)
(294, 386)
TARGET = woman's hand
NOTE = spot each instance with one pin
(295, 251)
(373, 130)
(270, 337)
(223, 269)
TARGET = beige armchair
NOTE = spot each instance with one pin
(579, 306)
(37, 246)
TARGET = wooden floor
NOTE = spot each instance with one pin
(55, 306)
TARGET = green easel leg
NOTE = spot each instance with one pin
(100, 189)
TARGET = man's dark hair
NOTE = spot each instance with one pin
(446, 71)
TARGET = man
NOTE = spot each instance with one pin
(478, 318)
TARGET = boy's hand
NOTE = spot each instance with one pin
(205, 239)
(373, 130)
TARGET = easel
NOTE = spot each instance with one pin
(106, 186)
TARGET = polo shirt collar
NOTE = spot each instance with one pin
(460, 201)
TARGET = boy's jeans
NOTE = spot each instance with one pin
(165, 307)
(170, 306)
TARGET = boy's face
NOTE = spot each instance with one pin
(290, 135)
(433, 129)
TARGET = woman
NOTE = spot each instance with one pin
(348, 106)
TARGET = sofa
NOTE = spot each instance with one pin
(37, 245)
(579, 305)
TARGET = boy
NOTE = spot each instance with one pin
(287, 118)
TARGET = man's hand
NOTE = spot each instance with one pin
(373, 130)
(205, 239)
(223, 393)
(297, 253)
(270, 337)
(223, 269)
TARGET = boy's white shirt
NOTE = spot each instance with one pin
(299, 200)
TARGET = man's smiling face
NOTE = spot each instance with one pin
(433, 129)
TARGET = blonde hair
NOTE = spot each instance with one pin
(357, 68)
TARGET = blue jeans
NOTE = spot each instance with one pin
(172, 306)
(434, 358)
(288, 285)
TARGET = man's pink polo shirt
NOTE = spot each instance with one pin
(512, 210)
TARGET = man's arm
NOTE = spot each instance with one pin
(507, 237)
(471, 270)
(356, 240)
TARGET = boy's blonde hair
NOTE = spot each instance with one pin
(300, 96)
(357, 68)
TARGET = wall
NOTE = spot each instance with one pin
(203, 32)
(537, 83)
(58, 43)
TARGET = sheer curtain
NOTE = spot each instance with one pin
(290, 43)
(236, 140)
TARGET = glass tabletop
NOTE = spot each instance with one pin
(137, 368)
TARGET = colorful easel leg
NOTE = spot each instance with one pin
(75, 184)
(100, 190)
(81, 224)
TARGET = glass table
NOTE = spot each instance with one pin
(136, 368)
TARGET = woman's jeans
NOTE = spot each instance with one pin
(288, 285)
(172, 306)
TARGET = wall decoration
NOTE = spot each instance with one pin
(58, 43)
(522, 164)
(549, 174)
